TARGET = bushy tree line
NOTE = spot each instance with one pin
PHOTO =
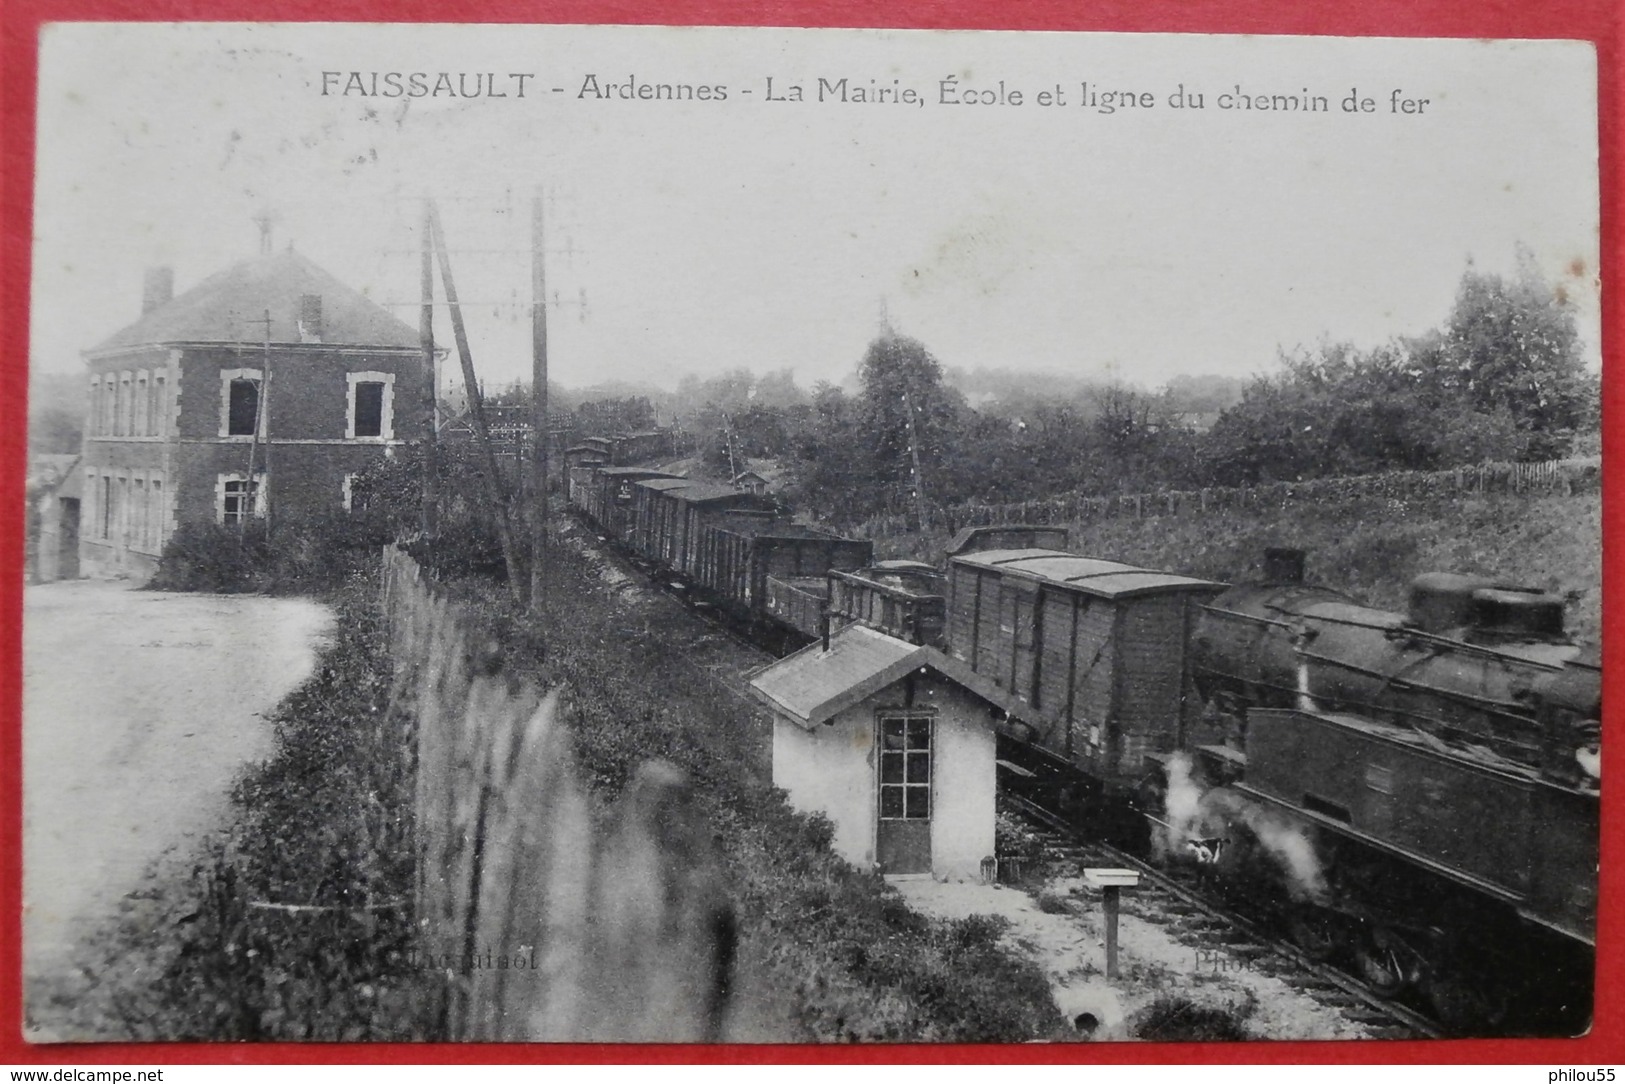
(1503, 379)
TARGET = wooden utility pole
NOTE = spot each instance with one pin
(517, 581)
(430, 517)
(251, 494)
(728, 442)
(914, 457)
(265, 424)
(538, 410)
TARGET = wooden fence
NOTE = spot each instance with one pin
(548, 918)
(1566, 476)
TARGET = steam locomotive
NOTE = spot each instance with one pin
(1428, 780)
(1414, 792)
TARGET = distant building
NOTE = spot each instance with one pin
(55, 483)
(750, 482)
(175, 416)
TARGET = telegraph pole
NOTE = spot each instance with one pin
(265, 423)
(431, 385)
(518, 583)
(538, 408)
(251, 494)
(914, 456)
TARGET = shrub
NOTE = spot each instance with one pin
(309, 553)
(210, 557)
(1053, 903)
(1175, 1019)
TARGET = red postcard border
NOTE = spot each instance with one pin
(1596, 21)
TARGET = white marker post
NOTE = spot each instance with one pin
(1111, 882)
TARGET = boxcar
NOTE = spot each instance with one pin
(606, 495)
(668, 511)
(1100, 649)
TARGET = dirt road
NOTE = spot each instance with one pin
(139, 709)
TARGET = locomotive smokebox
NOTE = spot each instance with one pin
(1284, 564)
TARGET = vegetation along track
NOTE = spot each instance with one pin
(1180, 905)
(724, 653)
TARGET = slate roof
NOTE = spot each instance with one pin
(219, 310)
(1105, 579)
(813, 686)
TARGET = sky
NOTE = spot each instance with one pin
(1130, 241)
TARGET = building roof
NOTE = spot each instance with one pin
(813, 685)
(1104, 579)
(222, 308)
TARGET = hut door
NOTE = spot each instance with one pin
(903, 837)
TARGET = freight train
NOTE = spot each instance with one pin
(1415, 793)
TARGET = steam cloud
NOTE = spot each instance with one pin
(1191, 813)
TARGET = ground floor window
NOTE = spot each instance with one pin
(905, 767)
(240, 498)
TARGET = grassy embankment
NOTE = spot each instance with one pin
(826, 953)
(1370, 548)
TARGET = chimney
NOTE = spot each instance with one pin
(157, 289)
(310, 318)
(1283, 564)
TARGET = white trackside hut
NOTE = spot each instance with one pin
(894, 742)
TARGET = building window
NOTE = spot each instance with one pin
(905, 767)
(371, 407)
(107, 506)
(158, 424)
(142, 406)
(139, 511)
(121, 419)
(239, 402)
(238, 498)
(158, 514)
(93, 421)
(243, 409)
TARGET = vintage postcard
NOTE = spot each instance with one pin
(641, 534)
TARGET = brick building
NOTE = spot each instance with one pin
(176, 413)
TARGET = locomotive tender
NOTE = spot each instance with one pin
(1418, 792)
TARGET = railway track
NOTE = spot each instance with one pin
(1180, 906)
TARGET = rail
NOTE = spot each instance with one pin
(1411, 1023)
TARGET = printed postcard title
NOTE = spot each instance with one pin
(949, 91)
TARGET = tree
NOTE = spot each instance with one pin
(831, 469)
(1512, 346)
(907, 414)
